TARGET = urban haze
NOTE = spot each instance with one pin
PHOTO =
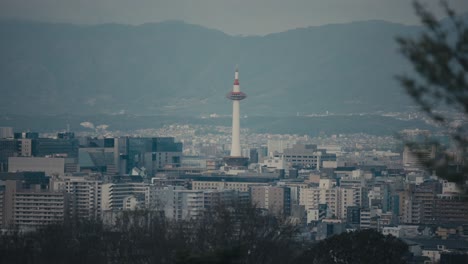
(207, 131)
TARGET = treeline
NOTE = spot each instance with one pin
(240, 234)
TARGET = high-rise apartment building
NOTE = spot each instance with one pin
(277, 200)
(83, 194)
(33, 208)
(26, 201)
(113, 195)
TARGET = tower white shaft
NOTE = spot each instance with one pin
(235, 147)
(236, 96)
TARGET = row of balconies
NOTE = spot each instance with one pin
(29, 205)
(39, 211)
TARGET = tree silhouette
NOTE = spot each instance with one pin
(358, 247)
(439, 56)
(238, 233)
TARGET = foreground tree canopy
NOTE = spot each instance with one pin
(225, 235)
(440, 58)
(365, 246)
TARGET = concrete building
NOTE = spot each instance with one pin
(113, 195)
(253, 155)
(33, 208)
(6, 132)
(422, 198)
(330, 197)
(379, 197)
(278, 146)
(2, 205)
(328, 228)
(277, 200)
(217, 185)
(194, 162)
(353, 216)
(274, 163)
(27, 135)
(365, 219)
(392, 230)
(51, 166)
(8, 148)
(415, 158)
(310, 198)
(348, 197)
(26, 147)
(26, 202)
(317, 214)
(84, 196)
(336, 198)
(238, 183)
(98, 159)
(450, 209)
(66, 147)
(214, 198)
(152, 154)
(306, 156)
(179, 203)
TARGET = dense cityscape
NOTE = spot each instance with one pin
(125, 136)
(323, 186)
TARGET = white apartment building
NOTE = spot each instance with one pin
(113, 195)
(223, 185)
(310, 198)
(336, 198)
(84, 196)
(365, 219)
(177, 202)
(28, 208)
(36, 208)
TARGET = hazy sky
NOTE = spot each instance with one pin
(233, 17)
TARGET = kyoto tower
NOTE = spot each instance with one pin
(236, 159)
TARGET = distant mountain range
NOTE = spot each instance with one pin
(182, 69)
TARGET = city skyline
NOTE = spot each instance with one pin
(118, 145)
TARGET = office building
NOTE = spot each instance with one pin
(66, 147)
(8, 148)
(306, 156)
(51, 166)
(150, 153)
